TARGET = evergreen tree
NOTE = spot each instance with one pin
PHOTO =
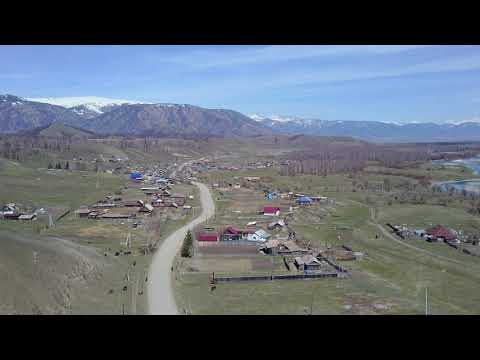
(187, 245)
(67, 166)
(50, 166)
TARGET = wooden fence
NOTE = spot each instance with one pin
(305, 276)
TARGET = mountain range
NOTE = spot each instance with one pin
(105, 116)
(373, 131)
(122, 117)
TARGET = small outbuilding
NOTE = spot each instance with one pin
(307, 263)
(210, 237)
(28, 217)
(271, 210)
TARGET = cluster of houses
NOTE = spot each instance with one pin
(160, 196)
(437, 233)
(11, 212)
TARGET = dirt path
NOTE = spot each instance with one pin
(160, 293)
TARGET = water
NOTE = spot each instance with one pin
(467, 185)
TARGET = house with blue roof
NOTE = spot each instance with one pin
(304, 200)
(136, 176)
(272, 195)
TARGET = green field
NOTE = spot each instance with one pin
(391, 278)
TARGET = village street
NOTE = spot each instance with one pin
(160, 293)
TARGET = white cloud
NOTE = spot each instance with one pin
(223, 56)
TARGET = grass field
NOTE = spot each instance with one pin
(75, 267)
(392, 277)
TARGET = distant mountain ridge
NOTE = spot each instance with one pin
(374, 131)
(106, 116)
(180, 120)
(123, 117)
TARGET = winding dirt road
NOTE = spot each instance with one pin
(160, 293)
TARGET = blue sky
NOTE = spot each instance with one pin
(400, 83)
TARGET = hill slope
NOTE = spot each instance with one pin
(18, 114)
(176, 121)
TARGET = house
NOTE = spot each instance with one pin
(136, 176)
(307, 263)
(232, 233)
(9, 209)
(271, 210)
(210, 237)
(28, 217)
(82, 213)
(304, 200)
(272, 195)
(271, 247)
(440, 232)
(258, 236)
(276, 225)
(291, 248)
(146, 208)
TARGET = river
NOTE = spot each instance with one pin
(460, 185)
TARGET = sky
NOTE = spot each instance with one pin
(392, 83)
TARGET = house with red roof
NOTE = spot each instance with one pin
(233, 233)
(440, 232)
(271, 210)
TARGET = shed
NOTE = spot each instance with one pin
(202, 236)
(133, 203)
(307, 263)
(271, 247)
(28, 217)
(276, 224)
(83, 213)
(146, 208)
(271, 210)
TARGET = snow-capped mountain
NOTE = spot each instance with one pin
(86, 106)
(19, 114)
(375, 131)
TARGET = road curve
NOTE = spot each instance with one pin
(160, 293)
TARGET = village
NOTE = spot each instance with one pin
(266, 228)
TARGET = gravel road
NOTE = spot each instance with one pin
(160, 293)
